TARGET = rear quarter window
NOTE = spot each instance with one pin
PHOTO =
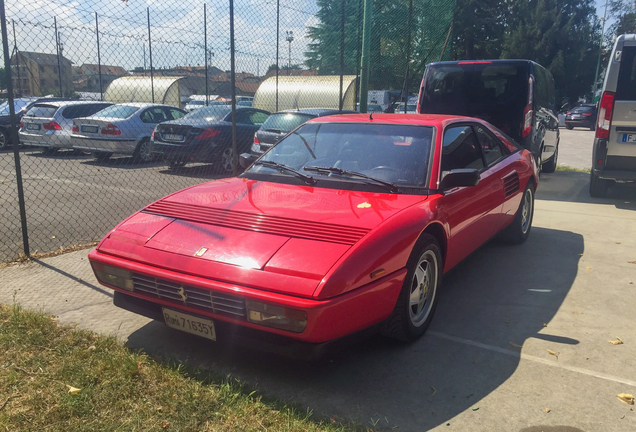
(41, 110)
(83, 110)
(626, 84)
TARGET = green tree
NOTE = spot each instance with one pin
(479, 28)
(562, 35)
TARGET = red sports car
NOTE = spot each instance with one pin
(348, 223)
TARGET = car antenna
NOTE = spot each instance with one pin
(371, 116)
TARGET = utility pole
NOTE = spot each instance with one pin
(58, 46)
(600, 50)
(205, 53)
(290, 39)
(17, 58)
(366, 50)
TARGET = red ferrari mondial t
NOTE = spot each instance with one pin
(347, 223)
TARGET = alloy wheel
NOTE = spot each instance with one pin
(423, 288)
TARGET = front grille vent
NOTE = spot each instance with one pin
(197, 298)
(511, 184)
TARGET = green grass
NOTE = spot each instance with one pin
(120, 390)
(572, 169)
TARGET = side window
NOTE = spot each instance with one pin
(626, 84)
(153, 115)
(174, 114)
(244, 117)
(460, 149)
(258, 118)
(146, 116)
(491, 147)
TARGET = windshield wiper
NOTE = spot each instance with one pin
(392, 187)
(282, 167)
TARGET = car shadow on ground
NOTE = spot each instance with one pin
(572, 186)
(57, 154)
(500, 294)
(125, 162)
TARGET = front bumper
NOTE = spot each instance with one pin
(327, 319)
(121, 146)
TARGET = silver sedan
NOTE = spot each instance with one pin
(123, 129)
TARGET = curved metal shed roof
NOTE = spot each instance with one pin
(317, 91)
(139, 89)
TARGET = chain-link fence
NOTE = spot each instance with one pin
(120, 103)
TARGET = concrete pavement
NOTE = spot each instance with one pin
(575, 148)
(567, 289)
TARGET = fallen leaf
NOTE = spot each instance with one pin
(515, 345)
(626, 397)
(545, 325)
(618, 341)
(618, 242)
(589, 267)
(165, 425)
(73, 390)
(475, 409)
(52, 237)
(553, 353)
(547, 410)
(92, 348)
(631, 282)
(631, 262)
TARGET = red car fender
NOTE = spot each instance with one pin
(386, 248)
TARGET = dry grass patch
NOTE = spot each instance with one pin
(58, 378)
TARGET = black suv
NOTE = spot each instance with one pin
(581, 116)
(281, 123)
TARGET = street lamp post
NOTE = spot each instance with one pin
(600, 50)
(290, 39)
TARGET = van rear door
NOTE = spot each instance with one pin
(622, 139)
(495, 91)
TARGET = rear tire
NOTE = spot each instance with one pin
(519, 230)
(102, 156)
(598, 186)
(4, 139)
(550, 165)
(173, 164)
(569, 127)
(143, 152)
(418, 298)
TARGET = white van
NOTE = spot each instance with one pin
(614, 154)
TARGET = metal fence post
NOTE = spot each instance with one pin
(408, 60)
(152, 77)
(59, 62)
(205, 54)
(366, 50)
(233, 84)
(99, 60)
(342, 47)
(14, 131)
(277, 46)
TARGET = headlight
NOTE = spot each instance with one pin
(113, 276)
(276, 316)
(256, 147)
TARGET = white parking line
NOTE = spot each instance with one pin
(529, 357)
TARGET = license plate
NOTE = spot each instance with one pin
(189, 323)
(33, 126)
(629, 138)
(90, 129)
(173, 137)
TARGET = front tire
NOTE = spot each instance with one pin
(418, 298)
(4, 139)
(519, 230)
(226, 163)
(598, 186)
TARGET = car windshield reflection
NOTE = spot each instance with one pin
(393, 153)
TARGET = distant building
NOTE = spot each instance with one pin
(86, 76)
(39, 74)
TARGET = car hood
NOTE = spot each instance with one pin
(277, 237)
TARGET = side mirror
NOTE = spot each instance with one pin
(459, 178)
(246, 159)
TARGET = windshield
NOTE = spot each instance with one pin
(285, 122)
(117, 111)
(393, 153)
(18, 105)
(210, 113)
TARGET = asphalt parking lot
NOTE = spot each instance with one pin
(569, 290)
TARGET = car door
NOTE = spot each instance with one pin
(472, 212)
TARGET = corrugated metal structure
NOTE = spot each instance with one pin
(167, 90)
(295, 92)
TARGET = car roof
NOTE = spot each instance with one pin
(440, 120)
(67, 102)
(319, 112)
(144, 105)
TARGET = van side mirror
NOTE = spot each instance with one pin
(246, 159)
(459, 178)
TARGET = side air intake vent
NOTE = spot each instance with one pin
(511, 184)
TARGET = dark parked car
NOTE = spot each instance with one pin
(205, 135)
(21, 106)
(281, 123)
(581, 116)
(516, 96)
